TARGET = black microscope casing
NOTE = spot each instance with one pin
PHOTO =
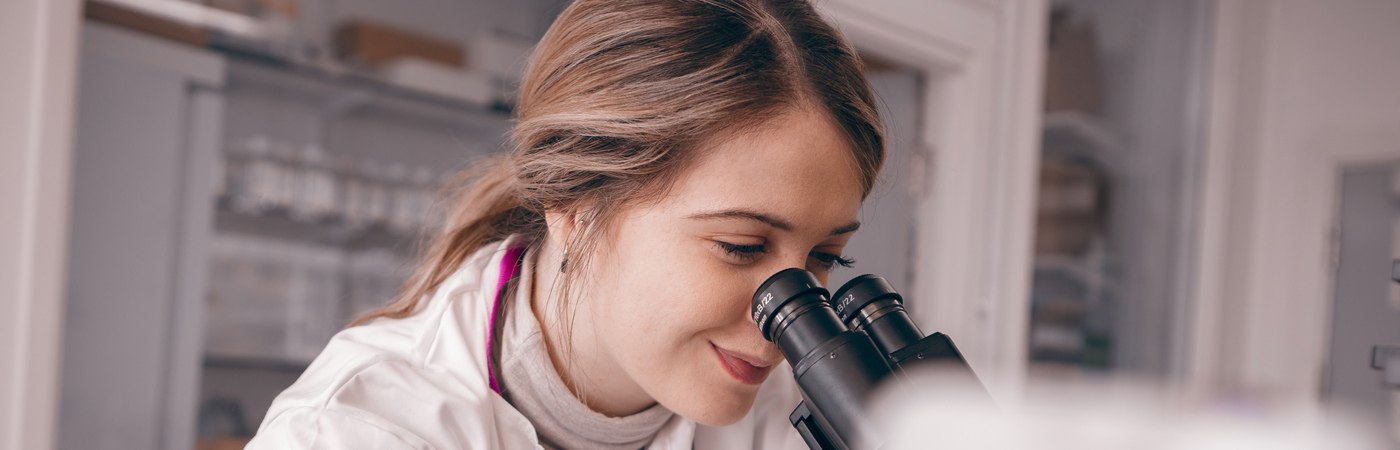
(837, 366)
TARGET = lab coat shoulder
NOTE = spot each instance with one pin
(412, 382)
(306, 427)
(389, 404)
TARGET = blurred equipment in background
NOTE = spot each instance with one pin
(1119, 188)
(1073, 76)
(1073, 284)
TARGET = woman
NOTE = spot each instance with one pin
(591, 286)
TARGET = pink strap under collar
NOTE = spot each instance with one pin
(510, 267)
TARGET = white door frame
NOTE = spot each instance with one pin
(1265, 253)
(39, 42)
(982, 62)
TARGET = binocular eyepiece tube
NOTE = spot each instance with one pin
(868, 303)
(840, 352)
(836, 368)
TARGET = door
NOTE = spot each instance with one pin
(1366, 305)
(146, 128)
(885, 244)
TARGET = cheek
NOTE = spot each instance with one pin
(658, 322)
(671, 295)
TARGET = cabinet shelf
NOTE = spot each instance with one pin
(241, 362)
(342, 91)
(1077, 133)
(278, 224)
(1080, 269)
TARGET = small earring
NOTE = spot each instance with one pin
(565, 263)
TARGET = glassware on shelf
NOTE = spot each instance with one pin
(417, 199)
(283, 184)
(358, 196)
(412, 199)
(308, 193)
(366, 200)
(248, 173)
(394, 181)
(314, 194)
(347, 182)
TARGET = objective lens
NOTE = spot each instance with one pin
(868, 303)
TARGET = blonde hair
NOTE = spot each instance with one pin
(617, 98)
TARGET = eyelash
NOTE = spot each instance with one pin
(751, 252)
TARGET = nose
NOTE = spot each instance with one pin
(795, 258)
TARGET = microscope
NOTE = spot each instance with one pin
(842, 350)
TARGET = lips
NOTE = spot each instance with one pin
(747, 370)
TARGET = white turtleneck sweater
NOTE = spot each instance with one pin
(531, 383)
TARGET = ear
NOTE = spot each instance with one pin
(562, 224)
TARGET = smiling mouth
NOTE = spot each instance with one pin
(740, 367)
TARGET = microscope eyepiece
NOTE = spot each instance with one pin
(836, 368)
(868, 303)
(788, 286)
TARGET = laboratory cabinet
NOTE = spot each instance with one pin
(231, 212)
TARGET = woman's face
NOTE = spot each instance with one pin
(670, 307)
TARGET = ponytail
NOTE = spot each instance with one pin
(482, 207)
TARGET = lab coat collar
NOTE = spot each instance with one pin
(460, 344)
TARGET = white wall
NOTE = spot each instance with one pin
(1300, 88)
(38, 42)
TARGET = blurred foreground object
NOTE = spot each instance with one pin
(1104, 414)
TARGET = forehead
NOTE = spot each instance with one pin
(798, 166)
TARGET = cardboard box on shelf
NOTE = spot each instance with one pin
(374, 44)
(1073, 76)
(1072, 205)
(500, 55)
(222, 443)
(1069, 187)
(1068, 234)
(437, 79)
(124, 16)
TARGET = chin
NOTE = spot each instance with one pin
(717, 409)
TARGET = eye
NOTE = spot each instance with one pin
(745, 253)
(829, 260)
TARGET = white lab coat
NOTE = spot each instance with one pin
(421, 383)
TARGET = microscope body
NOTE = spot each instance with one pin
(841, 353)
(820, 433)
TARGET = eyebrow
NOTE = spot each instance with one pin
(767, 219)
